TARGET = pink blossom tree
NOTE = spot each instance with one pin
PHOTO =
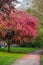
(21, 26)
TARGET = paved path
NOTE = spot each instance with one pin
(29, 59)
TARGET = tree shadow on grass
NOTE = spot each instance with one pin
(13, 51)
(19, 50)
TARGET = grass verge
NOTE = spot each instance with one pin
(42, 59)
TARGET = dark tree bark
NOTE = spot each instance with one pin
(8, 47)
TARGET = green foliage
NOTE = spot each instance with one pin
(39, 39)
(39, 42)
(33, 12)
(38, 6)
(40, 33)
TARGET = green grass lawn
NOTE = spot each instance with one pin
(16, 53)
(9, 58)
(19, 50)
(42, 59)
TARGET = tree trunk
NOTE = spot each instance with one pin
(8, 47)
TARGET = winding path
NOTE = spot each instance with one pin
(29, 59)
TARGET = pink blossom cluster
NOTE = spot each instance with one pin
(22, 23)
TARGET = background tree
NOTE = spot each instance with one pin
(38, 6)
(37, 10)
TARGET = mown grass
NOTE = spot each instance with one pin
(9, 58)
(16, 53)
(19, 50)
(42, 59)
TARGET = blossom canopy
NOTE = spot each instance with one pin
(24, 25)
